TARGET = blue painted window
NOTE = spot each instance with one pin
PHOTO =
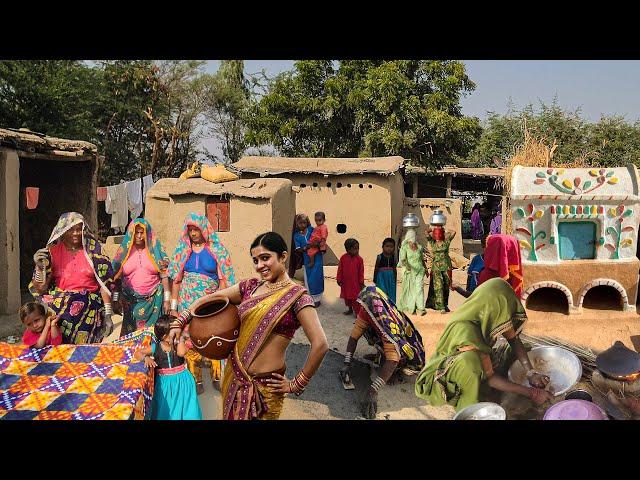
(577, 240)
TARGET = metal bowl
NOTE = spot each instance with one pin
(482, 411)
(562, 366)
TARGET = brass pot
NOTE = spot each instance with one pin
(214, 327)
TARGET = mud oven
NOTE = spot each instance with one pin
(578, 229)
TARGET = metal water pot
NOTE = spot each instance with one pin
(410, 220)
(438, 218)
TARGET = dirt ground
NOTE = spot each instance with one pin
(326, 399)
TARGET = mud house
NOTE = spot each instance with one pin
(65, 174)
(361, 197)
(578, 233)
(238, 210)
(469, 185)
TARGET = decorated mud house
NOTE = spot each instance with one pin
(577, 230)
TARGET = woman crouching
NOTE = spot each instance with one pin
(392, 333)
(271, 309)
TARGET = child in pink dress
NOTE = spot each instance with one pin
(318, 240)
(42, 326)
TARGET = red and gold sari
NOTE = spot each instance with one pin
(247, 397)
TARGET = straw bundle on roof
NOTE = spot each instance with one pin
(533, 152)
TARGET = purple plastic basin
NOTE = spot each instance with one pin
(575, 410)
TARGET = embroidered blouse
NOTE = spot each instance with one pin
(289, 323)
(202, 262)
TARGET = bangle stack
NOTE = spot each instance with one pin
(167, 297)
(115, 296)
(377, 383)
(40, 275)
(108, 310)
(174, 304)
(299, 383)
(348, 357)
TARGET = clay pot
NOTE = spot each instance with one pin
(214, 327)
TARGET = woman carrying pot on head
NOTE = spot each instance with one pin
(464, 363)
(439, 241)
(502, 260)
(201, 265)
(391, 331)
(75, 280)
(411, 297)
(271, 309)
(140, 267)
(313, 276)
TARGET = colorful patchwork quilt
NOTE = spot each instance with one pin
(75, 382)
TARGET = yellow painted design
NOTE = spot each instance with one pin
(567, 184)
(565, 209)
(539, 214)
(593, 173)
(613, 181)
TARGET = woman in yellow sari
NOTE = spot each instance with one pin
(271, 309)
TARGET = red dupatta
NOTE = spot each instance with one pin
(502, 260)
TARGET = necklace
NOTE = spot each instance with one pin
(277, 285)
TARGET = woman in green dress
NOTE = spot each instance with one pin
(462, 364)
(412, 259)
(439, 241)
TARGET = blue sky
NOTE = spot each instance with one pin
(597, 87)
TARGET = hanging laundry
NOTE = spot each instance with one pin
(32, 194)
(147, 183)
(101, 194)
(117, 205)
(134, 195)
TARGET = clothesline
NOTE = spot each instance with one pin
(466, 195)
(125, 197)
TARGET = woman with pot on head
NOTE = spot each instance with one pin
(201, 265)
(439, 241)
(140, 267)
(391, 331)
(502, 260)
(271, 309)
(75, 280)
(411, 297)
(464, 363)
(313, 276)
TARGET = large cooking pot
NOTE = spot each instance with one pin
(618, 361)
(214, 327)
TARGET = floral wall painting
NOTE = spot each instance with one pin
(532, 216)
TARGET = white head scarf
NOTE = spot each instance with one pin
(410, 236)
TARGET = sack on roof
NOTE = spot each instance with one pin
(217, 174)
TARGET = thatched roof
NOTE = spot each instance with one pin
(258, 188)
(28, 142)
(272, 166)
(460, 171)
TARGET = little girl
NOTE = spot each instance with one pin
(350, 274)
(175, 395)
(42, 325)
(385, 273)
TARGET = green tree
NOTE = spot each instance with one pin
(609, 142)
(54, 97)
(359, 108)
(227, 100)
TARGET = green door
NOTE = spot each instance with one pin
(577, 240)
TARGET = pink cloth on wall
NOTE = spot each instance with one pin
(72, 272)
(101, 194)
(32, 194)
(140, 273)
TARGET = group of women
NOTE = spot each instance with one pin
(80, 284)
